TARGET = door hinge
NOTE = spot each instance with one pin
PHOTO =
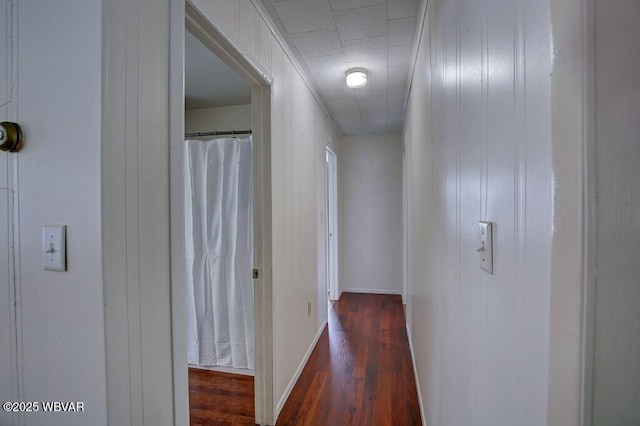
(255, 274)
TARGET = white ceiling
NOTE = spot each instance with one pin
(209, 82)
(331, 36)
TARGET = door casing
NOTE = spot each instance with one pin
(261, 81)
(332, 224)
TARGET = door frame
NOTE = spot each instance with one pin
(13, 299)
(332, 236)
(261, 81)
(9, 186)
(572, 263)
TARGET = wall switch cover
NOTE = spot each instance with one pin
(54, 247)
(485, 251)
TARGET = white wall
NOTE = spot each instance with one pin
(370, 213)
(300, 131)
(236, 117)
(616, 378)
(478, 147)
(56, 100)
(114, 194)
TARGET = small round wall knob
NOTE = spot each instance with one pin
(10, 137)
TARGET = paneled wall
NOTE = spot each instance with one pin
(56, 180)
(370, 210)
(478, 148)
(300, 131)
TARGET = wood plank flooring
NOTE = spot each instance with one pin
(360, 372)
(220, 398)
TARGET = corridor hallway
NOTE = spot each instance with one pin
(360, 372)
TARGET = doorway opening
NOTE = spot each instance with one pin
(218, 212)
(221, 228)
(332, 226)
(218, 238)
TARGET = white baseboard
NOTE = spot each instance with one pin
(296, 375)
(370, 291)
(415, 375)
(221, 369)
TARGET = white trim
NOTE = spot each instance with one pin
(262, 252)
(247, 66)
(296, 375)
(176, 203)
(370, 291)
(415, 374)
(230, 370)
(232, 54)
(589, 226)
(405, 226)
(572, 94)
(266, 17)
(422, 15)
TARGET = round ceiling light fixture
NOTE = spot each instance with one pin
(356, 78)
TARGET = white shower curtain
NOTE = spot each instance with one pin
(219, 251)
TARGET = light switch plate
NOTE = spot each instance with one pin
(485, 251)
(54, 247)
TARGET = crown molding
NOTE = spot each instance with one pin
(422, 16)
(266, 17)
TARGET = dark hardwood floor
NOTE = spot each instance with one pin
(220, 398)
(360, 372)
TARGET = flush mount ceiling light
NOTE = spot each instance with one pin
(356, 78)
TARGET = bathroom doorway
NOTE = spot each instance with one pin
(226, 123)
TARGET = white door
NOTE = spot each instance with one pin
(8, 334)
(332, 225)
(7, 311)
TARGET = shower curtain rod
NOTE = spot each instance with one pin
(217, 133)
